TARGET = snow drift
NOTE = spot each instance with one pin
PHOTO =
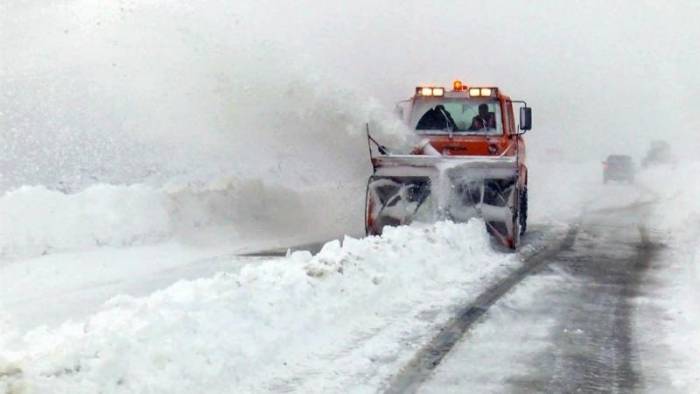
(272, 327)
(134, 122)
(675, 221)
(36, 220)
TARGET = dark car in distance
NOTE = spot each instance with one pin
(618, 168)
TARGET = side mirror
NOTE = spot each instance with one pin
(525, 118)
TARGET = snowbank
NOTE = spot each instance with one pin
(36, 220)
(675, 221)
(349, 315)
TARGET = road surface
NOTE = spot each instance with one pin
(566, 327)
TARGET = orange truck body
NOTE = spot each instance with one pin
(487, 172)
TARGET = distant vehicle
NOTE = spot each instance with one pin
(659, 153)
(618, 168)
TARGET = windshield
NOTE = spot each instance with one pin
(457, 115)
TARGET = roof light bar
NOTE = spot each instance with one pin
(424, 91)
(427, 91)
(481, 92)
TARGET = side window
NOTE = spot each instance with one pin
(493, 119)
(494, 108)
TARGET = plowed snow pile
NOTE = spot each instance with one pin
(348, 315)
(36, 221)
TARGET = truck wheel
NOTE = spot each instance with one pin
(523, 211)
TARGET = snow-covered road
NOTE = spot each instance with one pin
(577, 324)
(72, 286)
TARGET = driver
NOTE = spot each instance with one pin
(437, 118)
(484, 120)
(431, 120)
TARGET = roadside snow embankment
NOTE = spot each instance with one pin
(675, 220)
(35, 220)
(349, 315)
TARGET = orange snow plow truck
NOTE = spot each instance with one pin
(470, 162)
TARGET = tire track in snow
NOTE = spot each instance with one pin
(593, 344)
(411, 376)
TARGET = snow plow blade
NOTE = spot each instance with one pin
(417, 188)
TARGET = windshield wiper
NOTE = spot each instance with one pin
(450, 123)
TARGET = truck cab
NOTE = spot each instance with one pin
(466, 121)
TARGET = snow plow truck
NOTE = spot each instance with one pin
(469, 162)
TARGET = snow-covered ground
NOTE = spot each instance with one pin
(521, 344)
(349, 316)
(108, 239)
(673, 308)
(146, 145)
(37, 221)
(484, 359)
(146, 295)
(51, 289)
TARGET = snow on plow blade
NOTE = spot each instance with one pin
(410, 188)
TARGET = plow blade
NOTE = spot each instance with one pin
(410, 188)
